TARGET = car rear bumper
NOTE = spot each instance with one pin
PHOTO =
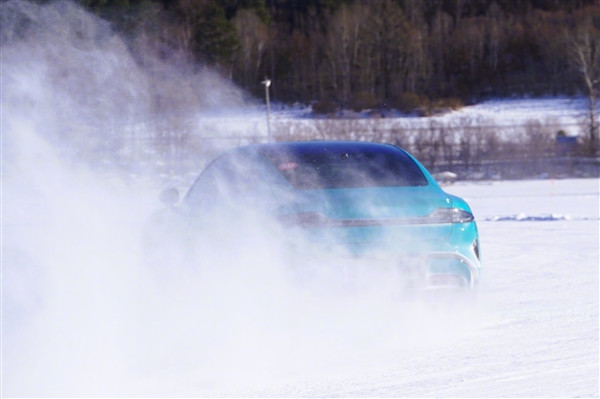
(451, 270)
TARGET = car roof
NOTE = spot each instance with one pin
(311, 147)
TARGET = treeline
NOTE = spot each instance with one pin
(370, 53)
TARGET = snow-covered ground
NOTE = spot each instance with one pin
(82, 317)
(531, 330)
(561, 113)
(517, 111)
(535, 328)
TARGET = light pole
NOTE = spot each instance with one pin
(267, 83)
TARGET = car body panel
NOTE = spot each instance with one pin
(304, 186)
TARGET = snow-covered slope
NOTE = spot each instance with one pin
(566, 113)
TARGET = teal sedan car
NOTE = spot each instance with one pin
(375, 201)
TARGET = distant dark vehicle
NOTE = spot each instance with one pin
(374, 200)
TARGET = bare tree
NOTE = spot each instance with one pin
(584, 49)
(253, 37)
(389, 34)
(343, 41)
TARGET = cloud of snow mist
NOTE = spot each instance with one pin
(67, 72)
(83, 313)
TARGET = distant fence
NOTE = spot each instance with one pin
(472, 149)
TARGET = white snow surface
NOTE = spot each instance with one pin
(531, 330)
(82, 317)
(566, 113)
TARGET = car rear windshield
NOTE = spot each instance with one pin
(341, 169)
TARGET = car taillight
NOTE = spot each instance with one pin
(315, 219)
(450, 215)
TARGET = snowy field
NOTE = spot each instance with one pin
(531, 330)
(566, 113)
(82, 317)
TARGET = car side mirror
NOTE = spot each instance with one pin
(169, 196)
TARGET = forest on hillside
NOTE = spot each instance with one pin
(131, 82)
(360, 54)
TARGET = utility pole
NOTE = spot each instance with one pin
(267, 83)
